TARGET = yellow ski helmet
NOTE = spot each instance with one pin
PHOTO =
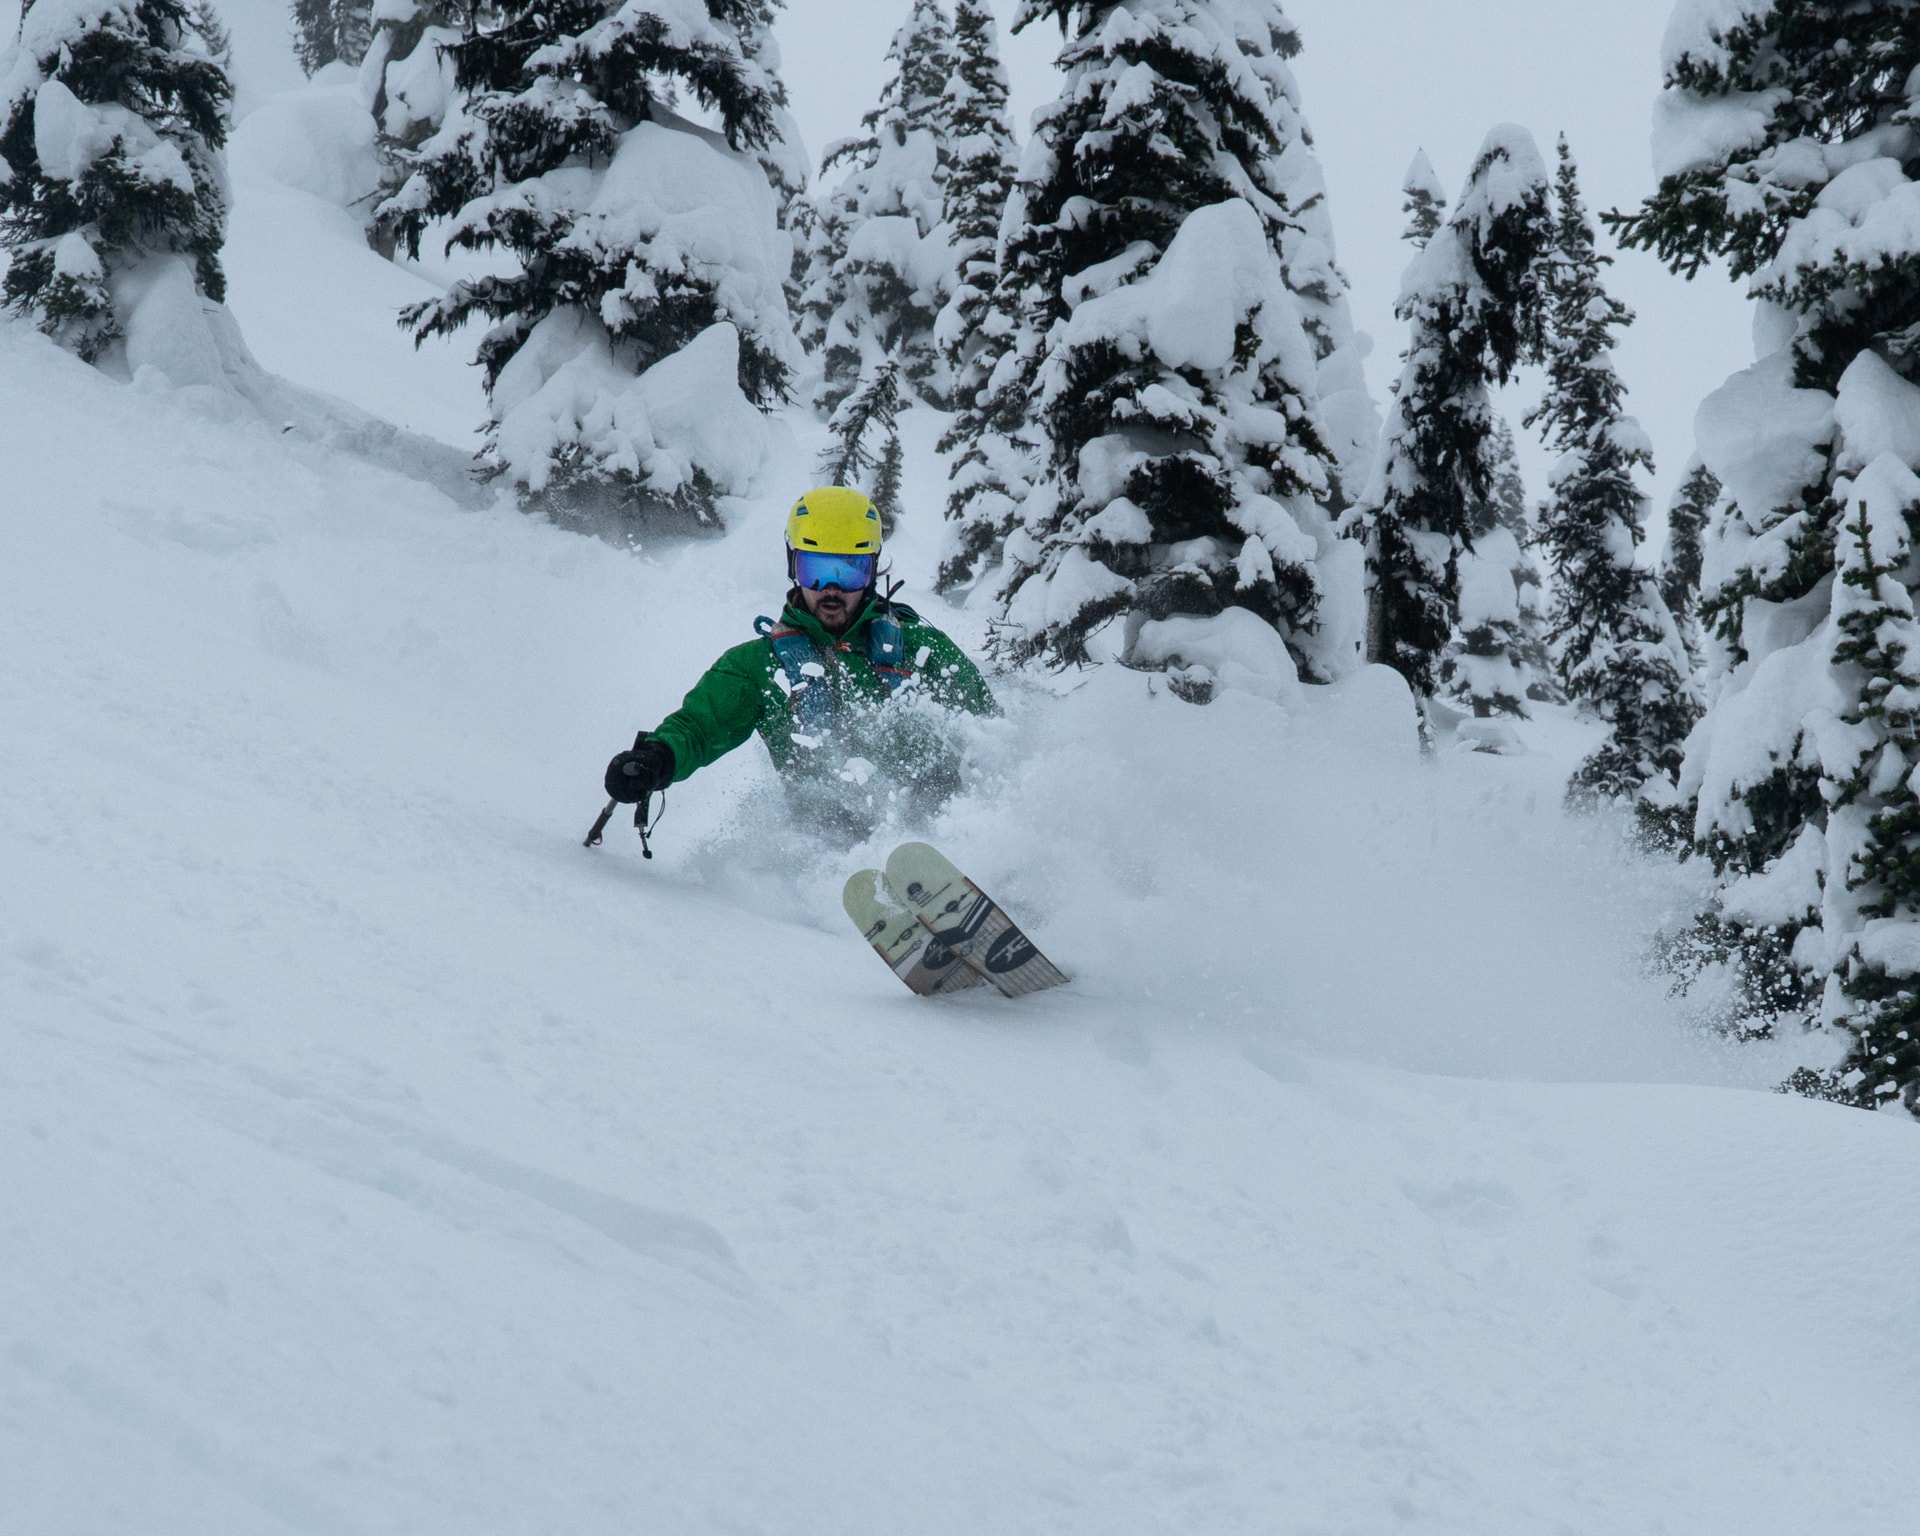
(835, 520)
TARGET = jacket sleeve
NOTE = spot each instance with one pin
(719, 712)
(949, 675)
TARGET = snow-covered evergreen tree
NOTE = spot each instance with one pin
(1687, 516)
(1870, 911)
(878, 266)
(970, 330)
(888, 478)
(1498, 658)
(783, 156)
(1785, 145)
(1479, 670)
(644, 315)
(1425, 202)
(215, 36)
(114, 120)
(1473, 300)
(1617, 648)
(407, 81)
(1531, 658)
(865, 450)
(331, 31)
(1169, 361)
(995, 447)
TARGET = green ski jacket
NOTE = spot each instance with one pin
(741, 692)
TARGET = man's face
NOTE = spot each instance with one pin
(832, 607)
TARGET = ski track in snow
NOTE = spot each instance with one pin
(379, 1160)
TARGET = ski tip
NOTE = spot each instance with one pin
(916, 856)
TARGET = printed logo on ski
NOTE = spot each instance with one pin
(1009, 952)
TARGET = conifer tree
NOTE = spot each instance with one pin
(407, 78)
(877, 265)
(1870, 913)
(1473, 300)
(1617, 648)
(113, 124)
(868, 414)
(215, 36)
(784, 154)
(1426, 202)
(970, 330)
(331, 31)
(887, 480)
(1686, 524)
(1188, 458)
(1806, 202)
(1479, 669)
(995, 448)
(645, 311)
(1498, 658)
(1532, 662)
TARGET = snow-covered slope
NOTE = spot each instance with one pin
(377, 1159)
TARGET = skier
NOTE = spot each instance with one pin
(853, 693)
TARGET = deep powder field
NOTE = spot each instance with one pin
(382, 1160)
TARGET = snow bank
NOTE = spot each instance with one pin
(318, 141)
(1233, 649)
(317, 305)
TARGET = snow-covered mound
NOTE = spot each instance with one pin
(378, 1159)
(317, 304)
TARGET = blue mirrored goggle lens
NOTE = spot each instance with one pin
(814, 570)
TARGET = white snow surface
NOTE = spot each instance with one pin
(379, 1159)
(303, 170)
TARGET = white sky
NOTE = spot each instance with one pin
(1380, 79)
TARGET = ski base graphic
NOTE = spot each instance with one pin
(963, 919)
(899, 938)
(938, 931)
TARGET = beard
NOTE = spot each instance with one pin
(835, 608)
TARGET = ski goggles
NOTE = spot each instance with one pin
(814, 569)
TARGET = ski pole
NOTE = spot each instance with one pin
(600, 825)
(641, 825)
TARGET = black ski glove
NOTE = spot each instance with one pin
(646, 770)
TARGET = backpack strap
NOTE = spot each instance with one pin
(809, 698)
(887, 648)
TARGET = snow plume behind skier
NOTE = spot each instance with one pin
(856, 697)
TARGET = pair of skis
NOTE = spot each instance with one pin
(939, 932)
